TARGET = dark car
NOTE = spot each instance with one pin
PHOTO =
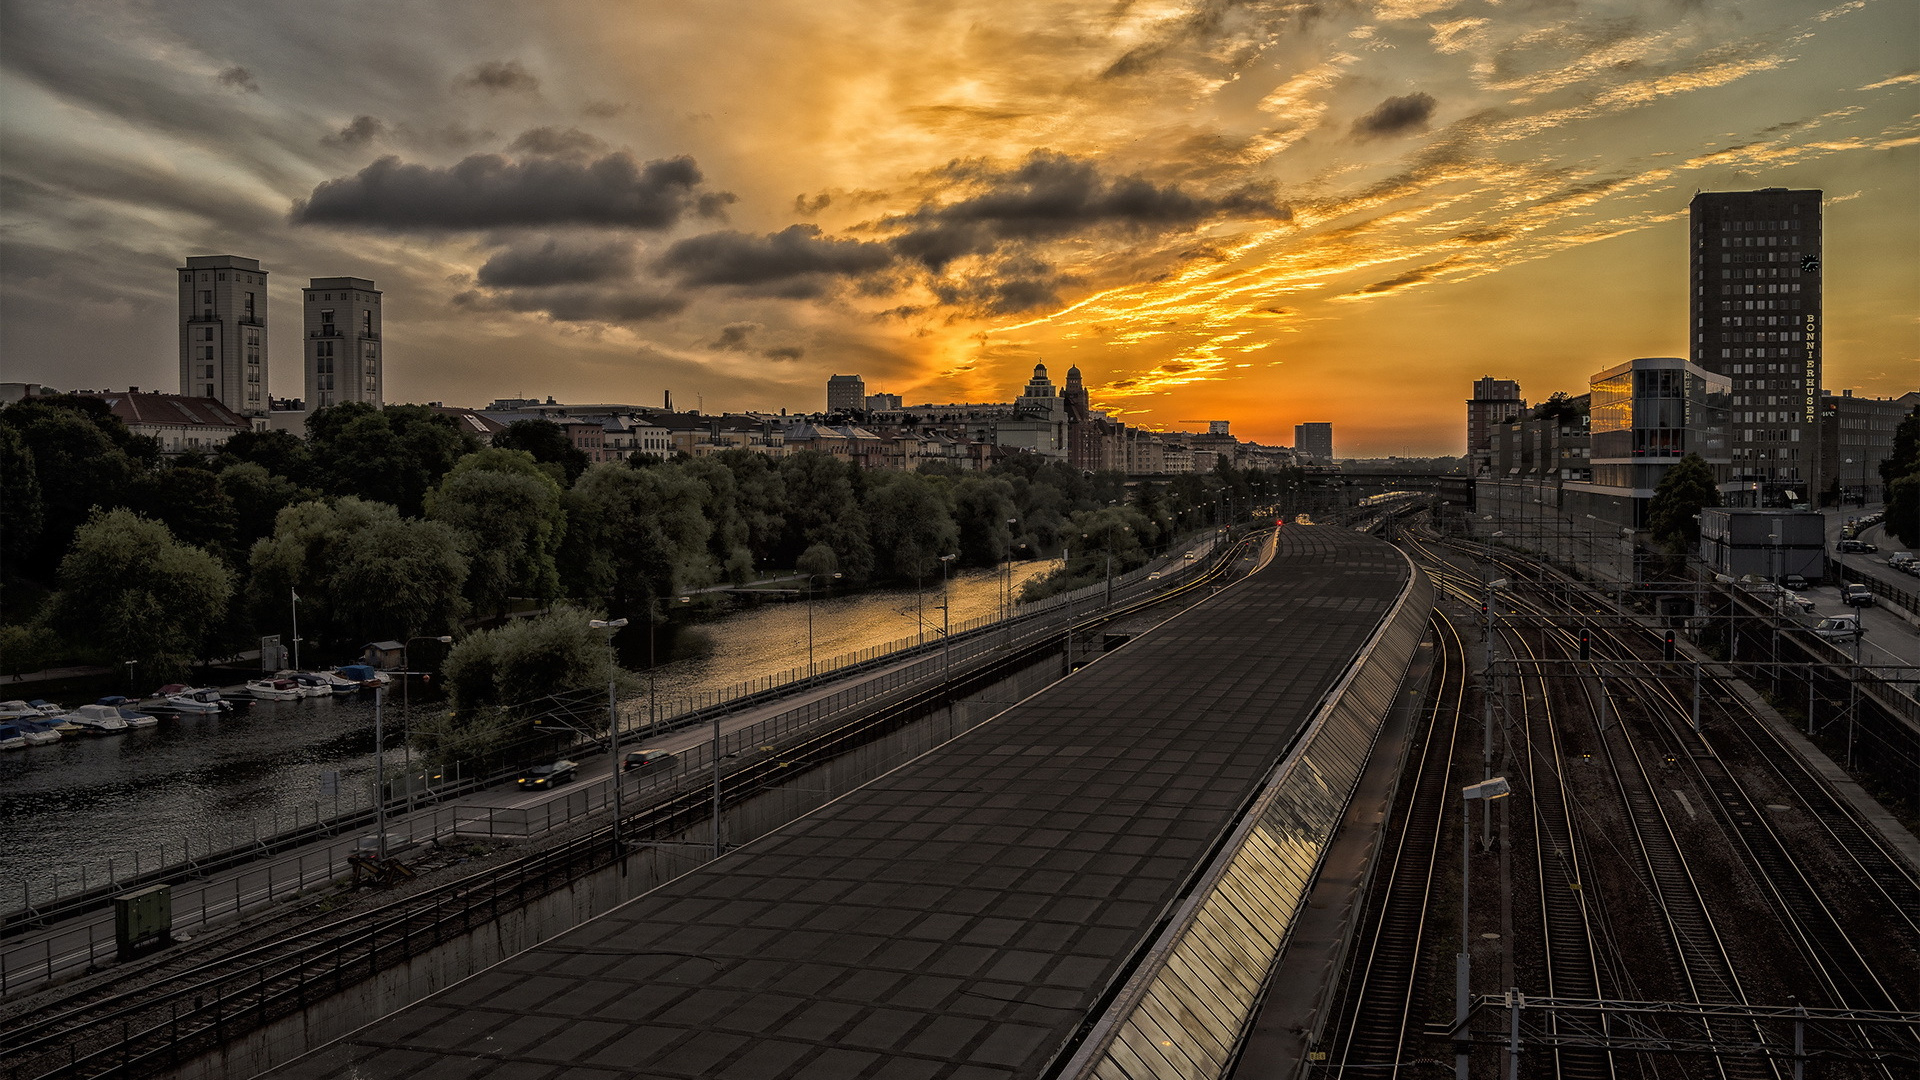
(647, 760)
(1855, 547)
(1794, 582)
(544, 776)
(1857, 595)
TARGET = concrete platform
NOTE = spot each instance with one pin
(960, 917)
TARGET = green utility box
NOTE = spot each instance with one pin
(143, 921)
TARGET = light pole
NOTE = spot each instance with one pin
(1489, 790)
(810, 578)
(946, 621)
(406, 705)
(613, 732)
(379, 776)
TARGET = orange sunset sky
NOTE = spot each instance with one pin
(1262, 212)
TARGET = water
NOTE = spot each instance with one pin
(209, 782)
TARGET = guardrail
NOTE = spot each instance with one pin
(245, 844)
(1246, 902)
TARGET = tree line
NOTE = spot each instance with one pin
(395, 522)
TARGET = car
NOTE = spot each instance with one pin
(1839, 627)
(1855, 547)
(1856, 595)
(551, 775)
(1793, 582)
(1899, 559)
(646, 760)
(1793, 601)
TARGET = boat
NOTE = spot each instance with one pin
(188, 699)
(99, 720)
(275, 689)
(339, 684)
(19, 710)
(36, 732)
(310, 685)
(366, 676)
(11, 738)
(47, 708)
(137, 719)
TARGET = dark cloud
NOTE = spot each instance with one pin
(1396, 116)
(488, 191)
(499, 77)
(1419, 275)
(811, 204)
(798, 251)
(363, 130)
(738, 337)
(1048, 196)
(557, 142)
(785, 352)
(1000, 295)
(552, 264)
(576, 303)
(604, 110)
(238, 78)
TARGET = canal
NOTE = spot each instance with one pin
(84, 808)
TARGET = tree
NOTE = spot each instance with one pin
(1673, 516)
(392, 455)
(398, 578)
(760, 495)
(22, 513)
(823, 507)
(280, 453)
(1905, 458)
(981, 508)
(130, 591)
(728, 533)
(1903, 509)
(310, 542)
(910, 526)
(633, 535)
(549, 445)
(83, 457)
(258, 495)
(552, 669)
(189, 501)
(509, 513)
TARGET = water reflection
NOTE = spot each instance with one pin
(215, 780)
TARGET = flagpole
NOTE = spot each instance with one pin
(296, 627)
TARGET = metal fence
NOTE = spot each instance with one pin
(354, 812)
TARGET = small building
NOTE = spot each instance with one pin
(178, 422)
(1768, 544)
(383, 655)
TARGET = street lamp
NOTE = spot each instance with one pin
(946, 621)
(613, 732)
(810, 578)
(1496, 788)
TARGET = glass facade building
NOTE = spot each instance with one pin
(1649, 413)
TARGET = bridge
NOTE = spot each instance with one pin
(1096, 882)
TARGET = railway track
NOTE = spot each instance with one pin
(113, 1030)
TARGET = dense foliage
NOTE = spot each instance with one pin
(394, 523)
(1673, 515)
(1901, 472)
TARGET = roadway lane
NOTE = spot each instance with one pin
(958, 917)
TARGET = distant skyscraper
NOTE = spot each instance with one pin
(223, 332)
(1313, 443)
(1494, 401)
(1754, 299)
(343, 361)
(846, 393)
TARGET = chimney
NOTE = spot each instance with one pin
(669, 405)
(135, 390)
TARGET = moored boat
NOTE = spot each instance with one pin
(36, 732)
(11, 738)
(99, 719)
(137, 719)
(188, 699)
(275, 689)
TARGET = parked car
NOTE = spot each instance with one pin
(646, 760)
(1794, 582)
(1855, 547)
(1793, 601)
(1840, 627)
(1899, 559)
(1856, 595)
(545, 776)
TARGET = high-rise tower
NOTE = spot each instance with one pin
(343, 360)
(1755, 317)
(223, 332)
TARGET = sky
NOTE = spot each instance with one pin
(1263, 212)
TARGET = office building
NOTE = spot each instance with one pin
(1856, 435)
(1754, 306)
(1646, 415)
(223, 332)
(1313, 443)
(343, 359)
(846, 393)
(1494, 402)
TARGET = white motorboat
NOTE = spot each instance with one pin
(36, 732)
(11, 738)
(47, 708)
(337, 684)
(99, 719)
(310, 685)
(275, 689)
(188, 699)
(19, 710)
(137, 719)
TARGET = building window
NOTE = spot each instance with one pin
(326, 322)
(249, 305)
(366, 323)
(206, 295)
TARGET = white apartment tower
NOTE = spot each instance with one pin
(223, 332)
(342, 322)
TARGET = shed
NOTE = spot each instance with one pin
(385, 655)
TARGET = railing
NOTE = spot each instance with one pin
(70, 888)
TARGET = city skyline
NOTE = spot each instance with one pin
(1272, 215)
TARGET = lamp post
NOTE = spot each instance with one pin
(613, 733)
(1488, 790)
(810, 578)
(406, 705)
(946, 621)
(379, 776)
